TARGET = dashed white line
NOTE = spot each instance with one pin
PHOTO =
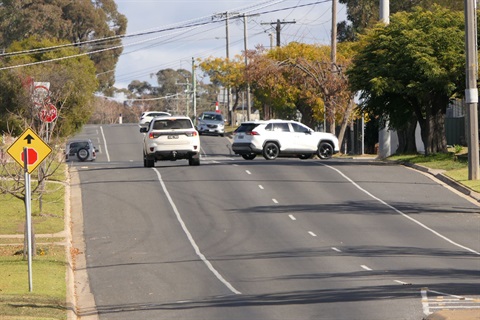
(274, 200)
(248, 172)
(312, 234)
(260, 186)
(438, 234)
(292, 217)
(336, 249)
(401, 282)
(365, 267)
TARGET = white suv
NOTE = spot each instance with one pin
(147, 116)
(170, 138)
(274, 138)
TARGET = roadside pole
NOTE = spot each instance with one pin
(471, 91)
(28, 210)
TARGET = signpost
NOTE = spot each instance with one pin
(29, 151)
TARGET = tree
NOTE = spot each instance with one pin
(302, 77)
(413, 66)
(364, 14)
(72, 85)
(74, 21)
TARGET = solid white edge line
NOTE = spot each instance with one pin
(190, 238)
(336, 249)
(401, 213)
(105, 144)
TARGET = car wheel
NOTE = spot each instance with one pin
(148, 163)
(325, 150)
(194, 161)
(83, 154)
(249, 156)
(304, 156)
(271, 150)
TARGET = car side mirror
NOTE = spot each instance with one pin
(143, 129)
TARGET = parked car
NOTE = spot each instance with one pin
(170, 138)
(211, 122)
(81, 149)
(274, 138)
(147, 116)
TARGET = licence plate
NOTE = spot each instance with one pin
(240, 136)
(173, 137)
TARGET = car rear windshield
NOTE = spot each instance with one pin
(246, 127)
(166, 124)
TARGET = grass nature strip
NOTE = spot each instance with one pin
(48, 297)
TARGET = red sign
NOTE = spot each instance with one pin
(48, 113)
(32, 156)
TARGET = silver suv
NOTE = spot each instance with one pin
(211, 122)
(274, 138)
(170, 138)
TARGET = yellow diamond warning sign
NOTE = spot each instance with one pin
(37, 150)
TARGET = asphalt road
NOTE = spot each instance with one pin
(284, 239)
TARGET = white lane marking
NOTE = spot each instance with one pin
(365, 267)
(105, 144)
(248, 172)
(401, 213)
(401, 282)
(426, 309)
(190, 237)
(312, 234)
(274, 200)
(336, 249)
(260, 186)
(292, 217)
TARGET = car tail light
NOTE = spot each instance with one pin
(191, 133)
(252, 133)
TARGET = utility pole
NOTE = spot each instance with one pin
(227, 15)
(384, 135)
(194, 84)
(333, 58)
(278, 28)
(471, 91)
(245, 38)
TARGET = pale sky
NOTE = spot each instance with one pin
(177, 30)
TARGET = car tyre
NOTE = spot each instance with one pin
(83, 154)
(249, 156)
(271, 150)
(148, 163)
(194, 161)
(325, 150)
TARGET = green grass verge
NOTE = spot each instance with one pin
(48, 297)
(49, 220)
(454, 165)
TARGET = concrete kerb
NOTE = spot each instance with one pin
(445, 179)
(78, 285)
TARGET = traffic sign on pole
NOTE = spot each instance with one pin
(37, 150)
(48, 113)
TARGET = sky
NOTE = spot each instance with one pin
(164, 34)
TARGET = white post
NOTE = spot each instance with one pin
(28, 209)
